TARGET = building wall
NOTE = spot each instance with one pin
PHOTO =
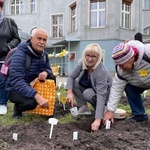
(107, 37)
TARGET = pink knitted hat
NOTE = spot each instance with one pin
(122, 53)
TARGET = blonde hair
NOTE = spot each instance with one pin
(94, 48)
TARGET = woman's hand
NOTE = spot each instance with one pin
(70, 97)
(108, 116)
(96, 124)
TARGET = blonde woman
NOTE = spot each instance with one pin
(90, 82)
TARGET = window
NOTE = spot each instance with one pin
(73, 18)
(126, 15)
(147, 30)
(72, 56)
(57, 26)
(17, 7)
(98, 13)
(33, 6)
(147, 4)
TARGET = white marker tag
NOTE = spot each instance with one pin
(108, 124)
(15, 136)
(75, 135)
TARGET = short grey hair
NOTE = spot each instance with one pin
(38, 29)
(94, 47)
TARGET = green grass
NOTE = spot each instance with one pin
(26, 119)
(128, 109)
(6, 120)
(68, 118)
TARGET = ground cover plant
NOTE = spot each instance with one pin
(33, 131)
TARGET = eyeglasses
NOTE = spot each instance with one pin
(91, 56)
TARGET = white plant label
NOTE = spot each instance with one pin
(15, 136)
(75, 135)
(108, 124)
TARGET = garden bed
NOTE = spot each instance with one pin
(123, 134)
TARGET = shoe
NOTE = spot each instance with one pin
(139, 118)
(16, 114)
(3, 110)
(84, 110)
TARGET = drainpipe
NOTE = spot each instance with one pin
(140, 11)
(69, 54)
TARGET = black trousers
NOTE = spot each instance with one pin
(22, 103)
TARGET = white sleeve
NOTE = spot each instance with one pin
(116, 92)
(137, 44)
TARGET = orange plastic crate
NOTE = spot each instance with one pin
(47, 90)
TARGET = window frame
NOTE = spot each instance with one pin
(73, 18)
(33, 6)
(17, 8)
(146, 30)
(146, 5)
(125, 15)
(59, 26)
(96, 21)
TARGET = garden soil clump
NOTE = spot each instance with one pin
(123, 135)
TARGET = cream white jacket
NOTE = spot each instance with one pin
(134, 77)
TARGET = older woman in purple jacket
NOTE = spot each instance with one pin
(90, 82)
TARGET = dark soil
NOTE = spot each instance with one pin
(123, 135)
